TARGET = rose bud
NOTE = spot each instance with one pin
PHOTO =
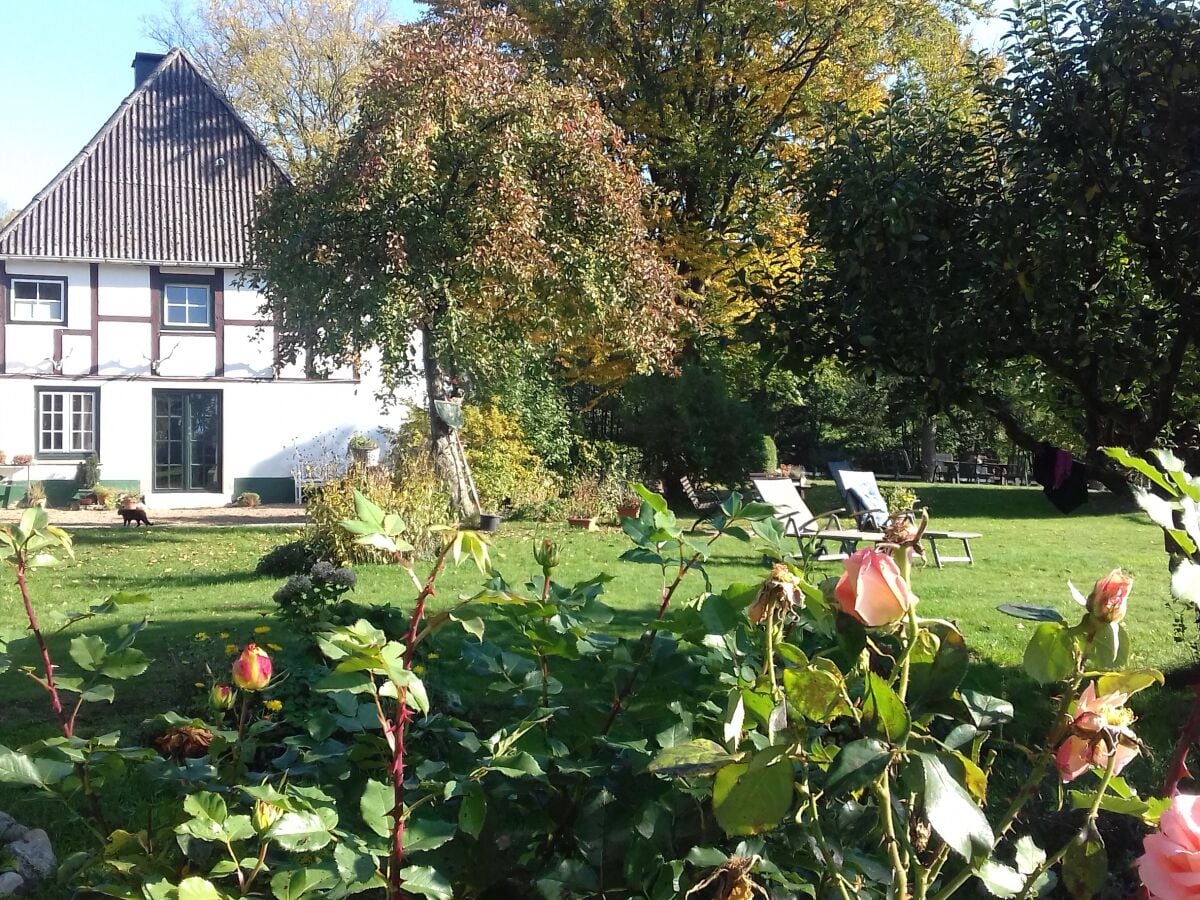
(265, 815)
(545, 555)
(1109, 599)
(221, 697)
(252, 670)
(872, 589)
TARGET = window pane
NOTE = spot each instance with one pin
(38, 301)
(25, 290)
(186, 304)
(50, 290)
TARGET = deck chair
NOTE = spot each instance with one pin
(861, 492)
(815, 531)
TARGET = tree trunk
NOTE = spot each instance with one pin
(447, 461)
(928, 447)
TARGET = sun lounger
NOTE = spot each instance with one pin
(809, 530)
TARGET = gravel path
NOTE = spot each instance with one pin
(279, 514)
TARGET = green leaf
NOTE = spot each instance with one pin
(294, 884)
(426, 881)
(1033, 613)
(366, 510)
(952, 813)
(198, 889)
(1000, 880)
(884, 715)
(353, 867)
(857, 765)
(1110, 648)
(99, 693)
(376, 803)
(17, 768)
(755, 796)
(1085, 867)
(1029, 855)
(695, 757)
(1128, 682)
(473, 811)
(122, 664)
(89, 652)
(1050, 654)
(1127, 459)
(816, 693)
(656, 502)
(427, 834)
(300, 832)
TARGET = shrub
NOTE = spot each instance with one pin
(897, 497)
(87, 473)
(359, 441)
(770, 454)
(413, 491)
(247, 499)
(305, 600)
(105, 495)
(286, 559)
(693, 425)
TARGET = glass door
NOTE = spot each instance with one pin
(187, 441)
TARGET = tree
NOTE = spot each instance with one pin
(1048, 239)
(476, 203)
(290, 67)
(6, 214)
(718, 95)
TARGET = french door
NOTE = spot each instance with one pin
(187, 441)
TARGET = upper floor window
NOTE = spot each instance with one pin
(41, 300)
(187, 306)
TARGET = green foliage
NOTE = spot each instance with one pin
(305, 600)
(897, 497)
(291, 558)
(87, 473)
(692, 424)
(413, 490)
(770, 454)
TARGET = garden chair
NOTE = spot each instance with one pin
(809, 530)
(861, 492)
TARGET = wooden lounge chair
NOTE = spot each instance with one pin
(810, 531)
(861, 492)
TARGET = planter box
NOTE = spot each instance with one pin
(586, 522)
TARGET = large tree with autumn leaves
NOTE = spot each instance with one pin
(477, 204)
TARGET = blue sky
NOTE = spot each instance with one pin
(58, 94)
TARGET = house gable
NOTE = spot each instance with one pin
(173, 177)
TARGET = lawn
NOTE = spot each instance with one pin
(206, 595)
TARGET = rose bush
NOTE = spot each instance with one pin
(808, 739)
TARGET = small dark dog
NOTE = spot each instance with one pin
(137, 514)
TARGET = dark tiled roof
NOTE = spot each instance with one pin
(172, 177)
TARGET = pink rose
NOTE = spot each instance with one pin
(1110, 597)
(252, 670)
(872, 589)
(1099, 730)
(1170, 860)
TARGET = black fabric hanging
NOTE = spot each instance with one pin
(1063, 479)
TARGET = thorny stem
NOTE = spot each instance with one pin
(67, 723)
(899, 870)
(1177, 768)
(397, 731)
(262, 859)
(826, 853)
(1088, 824)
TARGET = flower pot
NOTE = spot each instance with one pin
(586, 522)
(361, 456)
(629, 510)
(489, 522)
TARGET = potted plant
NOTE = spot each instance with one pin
(22, 459)
(630, 504)
(585, 503)
(490, 521)
(247, 500)
(128, 501)
(35, 494)
(363, 449)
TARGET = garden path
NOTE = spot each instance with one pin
(267, 514)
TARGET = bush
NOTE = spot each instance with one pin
(413, 491)
(286, 559)
(87, 473)
(897, 497)
(770, 454)
(305, 600)
(693, 425)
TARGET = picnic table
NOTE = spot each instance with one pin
(987, 471)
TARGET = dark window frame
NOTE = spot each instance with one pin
(60, 280)
(186, 462)
(64, 455)
(208, 282)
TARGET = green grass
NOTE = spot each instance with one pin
(203, 583)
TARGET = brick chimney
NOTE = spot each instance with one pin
(144, 64)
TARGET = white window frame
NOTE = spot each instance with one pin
(39, 280)
(187, 287)
(78, 428)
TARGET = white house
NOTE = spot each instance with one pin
(126, 329)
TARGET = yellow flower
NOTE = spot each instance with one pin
(431, 655)
(418, 668)
(274, 647)
(232, 649)
(202, 635)
(201, 685)
(273, 705)
(262, 629)
(224, 635)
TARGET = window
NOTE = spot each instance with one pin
(67, 422)
(187, 441)
(187, 306)
(38, 300)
